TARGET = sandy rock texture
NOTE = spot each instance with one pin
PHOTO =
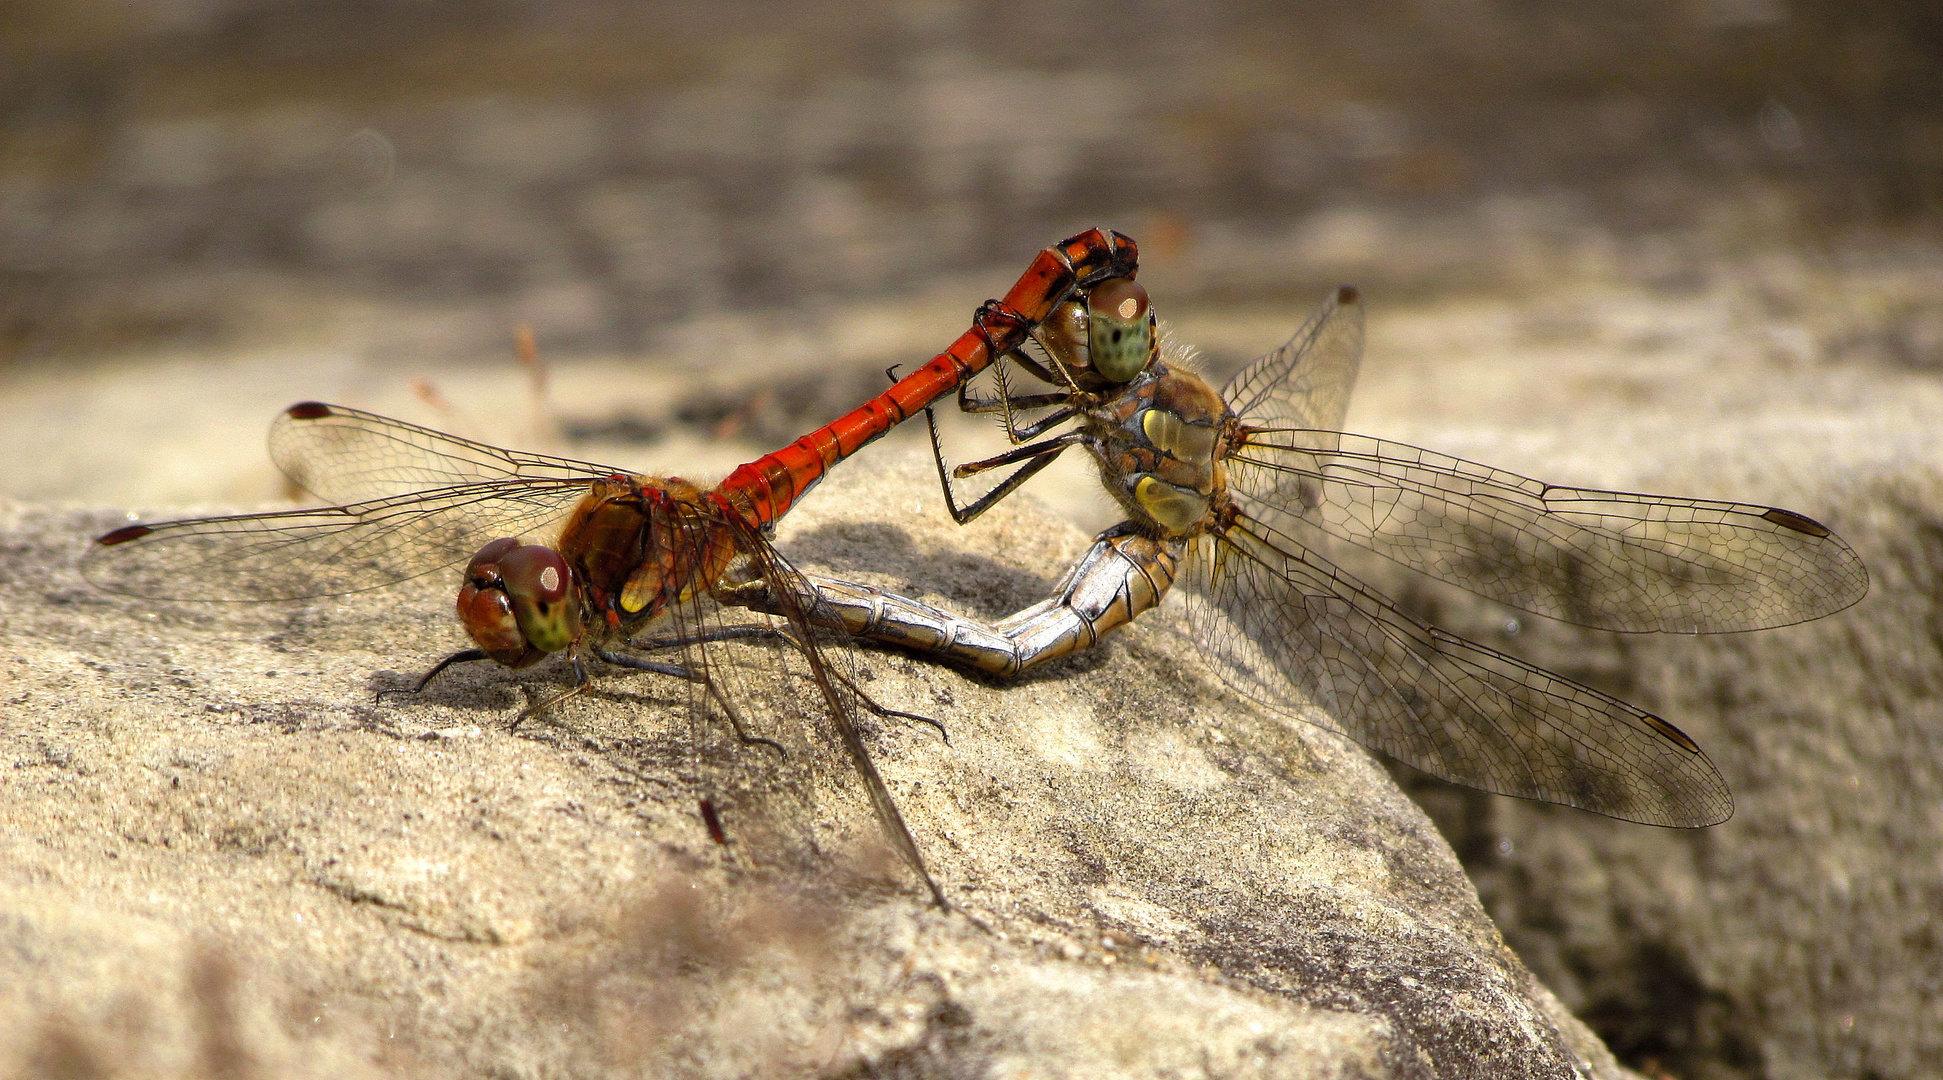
(223, 858)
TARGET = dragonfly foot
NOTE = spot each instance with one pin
(886, 711)
(580, 682)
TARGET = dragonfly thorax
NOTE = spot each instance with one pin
(640, 545)
(1159, 446)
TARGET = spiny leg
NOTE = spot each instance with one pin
(682, 671)
(463, 656)
(1006, 403)
(753, 632)
(1046, 450)
(738, 632)
(1041, 455)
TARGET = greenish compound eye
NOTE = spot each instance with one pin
(1119, 335)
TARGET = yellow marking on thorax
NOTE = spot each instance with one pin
(1174, 509)
(1177, 438)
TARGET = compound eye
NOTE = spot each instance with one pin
(484, 565)
(1120, 329)
(487, 612)
(1063, 335)
(1118, 298)
(540, 586)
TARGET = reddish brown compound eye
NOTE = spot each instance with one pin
(545, 603)
(486, 609)
(1119, 298)
(486, 560)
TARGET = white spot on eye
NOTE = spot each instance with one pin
(550, 579)
(1129, 308)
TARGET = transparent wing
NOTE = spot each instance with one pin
(1294, 632)
(344, 455)
(800, 665)
(1608, 559)
(328, 551)
(1307, 382)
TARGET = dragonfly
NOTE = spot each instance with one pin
(627, 568)
(1240, 495)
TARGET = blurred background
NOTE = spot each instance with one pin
(333, 198)
(721, 221)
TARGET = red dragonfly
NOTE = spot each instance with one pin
(628, 560)
(1248, 488)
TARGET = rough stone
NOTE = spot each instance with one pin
(1797, 939)
(224, 858)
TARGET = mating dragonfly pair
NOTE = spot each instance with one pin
(1234, 494)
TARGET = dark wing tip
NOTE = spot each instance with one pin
(308, 410)
(1348, 294)
(1788, 519)
(123, 535)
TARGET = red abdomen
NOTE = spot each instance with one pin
(766, 488)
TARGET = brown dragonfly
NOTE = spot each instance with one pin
(632, 570)
(1240, 493)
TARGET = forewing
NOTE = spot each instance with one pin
(1294, 632)
(328, 551)
(344, 455)
(1307, 382)
(1608, 559)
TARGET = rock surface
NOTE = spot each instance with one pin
(224, 859)
(1797, 939)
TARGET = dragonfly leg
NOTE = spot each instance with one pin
(682, 671)
(736, 722)
(580, 683)
(747, 632)
(1042, 425)
(1005, 403)
(752, 632)
(1046, 450)
(886, 711)
(1055, 376)
(971, 403)
(634, 663)
(463, 656)
(1037, 456)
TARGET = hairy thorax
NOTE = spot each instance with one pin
(632, 544)
(1159, 444)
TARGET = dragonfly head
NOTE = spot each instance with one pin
(1105, 338)
(519, 602)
